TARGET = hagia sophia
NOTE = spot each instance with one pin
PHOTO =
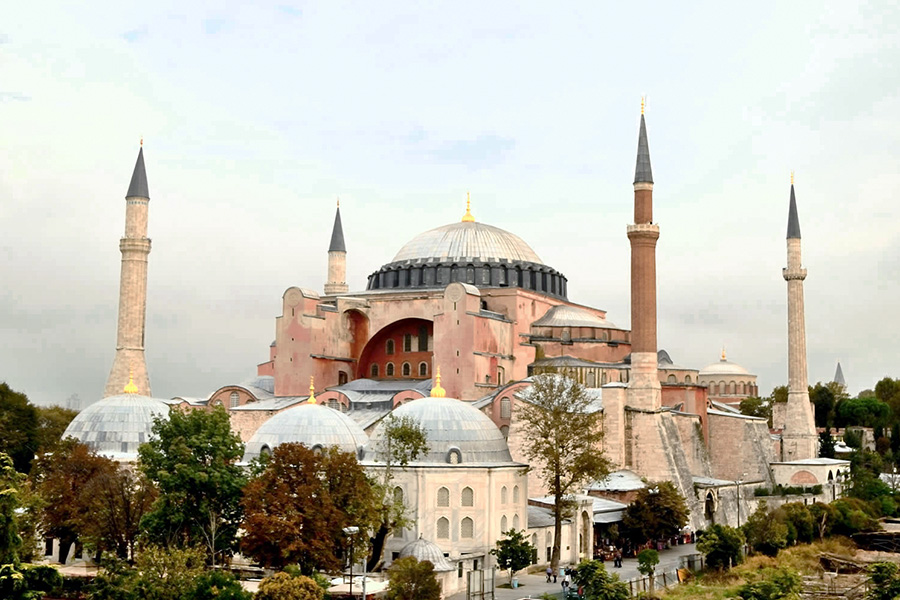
(450, 332)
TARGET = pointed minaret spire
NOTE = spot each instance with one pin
(337, 258)
(839, 375)
(135, 248)
(793, 229)
(642, 171)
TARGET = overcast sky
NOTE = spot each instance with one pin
(256, 118)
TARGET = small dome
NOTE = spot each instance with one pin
(724, 367)
(564, 315)
(457, 432)
(311, 425)
(422, 549)
(468, 239)
(117, 425)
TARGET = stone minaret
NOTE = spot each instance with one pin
(644, 388)
(799, 440)
(135, 248)
(337, 258)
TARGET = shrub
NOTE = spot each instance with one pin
(722, 546)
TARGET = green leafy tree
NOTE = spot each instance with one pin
(823, 401)
(647, 561)
(11, 482)
(598, 583)
(284, 525)
(403, 442)
(282, 586)
(409, 579)
(18, 428)
(764, 533)
(217, 585)
(722, 546)
(657, 512)
(853, 515)
(884, 581)
(826, 444)
(799, 520)
(62, 479)
(192, 458)
(52, 423)
(757, 407)
(513, 552)
(563, 434)
(824, 516)
(28, 582)
(866, 412)
(865, 482)
(778, 584)
(167, 573)
(779, 394)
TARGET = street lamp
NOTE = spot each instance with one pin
(350, 532)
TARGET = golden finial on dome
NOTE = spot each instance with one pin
(312, 390)
(437, 391)
(130, 388)
(723, 353)
(468, 218)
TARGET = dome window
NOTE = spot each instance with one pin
(235, 399)
(423, 369)
(389, 347)
(454, 456)
(265, 452)
(374, 370)
(389, 370)
(406, 369)
(407, 342)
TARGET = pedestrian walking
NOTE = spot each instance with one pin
(555, 573)
(565, 585)
(549, 574)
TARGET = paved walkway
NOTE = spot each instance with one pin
(532, 586)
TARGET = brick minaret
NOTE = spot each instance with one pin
(337, 258)
(135, 248)
(799, 440)
(645, 388)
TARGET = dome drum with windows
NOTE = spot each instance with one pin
(468, 252)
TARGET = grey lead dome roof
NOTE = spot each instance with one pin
(117, 425)
(311, 425)
(421, 549)
(451, 426)
(467, 240)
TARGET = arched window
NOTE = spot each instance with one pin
(505, 431)
(732, 389)
(467, 528)
(687, 379)
(389, 347)
(516, 494)
(503, 524)
(374, 370)
(235, 399)
(504, 495)
(515, 522)
(722, 388)
(443, 497)
(443, 528)
(342, 377)
(389, 370)
(505, 408)
(671, 379)
(398, 496)
(454, 457)
(407, 342)
(423, 369)
(468, 497)
(406, 370)
(591, 379)
(265, 451)
(501, 375)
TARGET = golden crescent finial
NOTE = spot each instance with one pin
(312, 390)
(130, 388)
(437, 391)
(723, 353)
(468, 218)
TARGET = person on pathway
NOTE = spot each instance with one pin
(565, 585)
(549, 574)
(555, 572)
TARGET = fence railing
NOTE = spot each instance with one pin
(668, 576)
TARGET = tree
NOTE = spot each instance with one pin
(598, 583)
(282, 586)
(657, 512)
(647, 561)
(192, 458)
(18, 428)
(217, 585)
(779, 394)
(722, 546)
(296, 510)
(826, 444)
(403, 442)
(563, 433)
(867, 412)
(167, 573)
(28, 582)
(884, 580)
(781, 584)
(61, 479)
(11, 482)
(757, 407)
(410, 579)
(513, 552)
(799, 520)
(823, 401)
(823, 516)
(764, 533)
(52, 423)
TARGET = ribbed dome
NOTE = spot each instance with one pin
(457, 432)
(564, 315)
(724, 367)
(117, 425)
(311, 425)
(467, 240)
(421, 549)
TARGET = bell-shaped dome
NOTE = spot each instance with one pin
(421, 549)
(467, 240)
(457, 433)
(117, 425)
(313, 425)
(724, 367)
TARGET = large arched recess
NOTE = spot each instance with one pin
(421, 350)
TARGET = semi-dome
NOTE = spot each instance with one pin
(421, 549)
(116, 426)
(313, 425)
(464, 240)
(564, 315)
(469, 252)
(457, 433)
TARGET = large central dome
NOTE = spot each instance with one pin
(467, 240)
